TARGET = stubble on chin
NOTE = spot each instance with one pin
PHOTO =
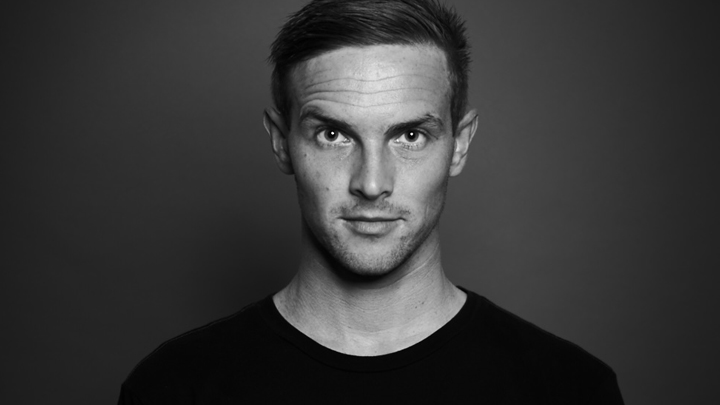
(389, 252)
(351, 261)
(366, 264)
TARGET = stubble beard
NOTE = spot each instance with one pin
(346, 261)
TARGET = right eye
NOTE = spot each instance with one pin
(332, 137)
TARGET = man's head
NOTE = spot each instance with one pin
(370, 136)
(325, 25)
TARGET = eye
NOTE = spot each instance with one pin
(331, 136)
(412, 139)
(412, 136)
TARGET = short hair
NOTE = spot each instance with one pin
(326, 25)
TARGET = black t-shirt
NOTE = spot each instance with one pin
(483, 355)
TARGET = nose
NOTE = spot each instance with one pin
(373, 174)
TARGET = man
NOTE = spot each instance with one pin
(370, 117)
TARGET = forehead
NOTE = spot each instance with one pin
(373, 78)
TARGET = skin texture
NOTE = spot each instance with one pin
(371, 146)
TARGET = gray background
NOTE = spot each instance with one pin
(140, 198)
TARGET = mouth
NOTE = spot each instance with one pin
(371, 225)
(363, 218)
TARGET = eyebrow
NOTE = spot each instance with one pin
(427, 120)
(317, 115)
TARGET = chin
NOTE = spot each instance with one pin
(362, 261)
(368, 263)
(370, 267)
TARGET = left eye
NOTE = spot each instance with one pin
(412, 136)
(413, 139)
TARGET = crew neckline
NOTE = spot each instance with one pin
(398, 359)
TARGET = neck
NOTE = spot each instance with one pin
(371, 316)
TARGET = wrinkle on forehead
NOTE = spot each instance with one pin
(360, 81)
(373, 76)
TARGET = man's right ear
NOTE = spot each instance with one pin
(278, 131)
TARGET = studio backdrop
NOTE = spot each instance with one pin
(140, 198)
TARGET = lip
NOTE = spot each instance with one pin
(363, 218)
(371, 226)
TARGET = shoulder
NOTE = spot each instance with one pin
(186, 361)
(536, 357)
(508, 329)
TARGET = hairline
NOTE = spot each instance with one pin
(287, 84)
(290, 85)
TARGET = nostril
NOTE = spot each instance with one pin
(373, 172)
(372, 183)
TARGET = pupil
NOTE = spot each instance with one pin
(331, 135)
(411, 136)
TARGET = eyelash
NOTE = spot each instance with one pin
(418, 144)
(326, 143)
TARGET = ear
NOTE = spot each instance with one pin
(464, 135)
(278, 131)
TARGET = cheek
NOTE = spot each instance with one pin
(432, 191)
(425, 190)
(426, 180)
(317, 182)
(431, 198)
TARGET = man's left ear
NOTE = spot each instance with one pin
(463, 136)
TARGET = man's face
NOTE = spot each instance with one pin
(371, 147)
